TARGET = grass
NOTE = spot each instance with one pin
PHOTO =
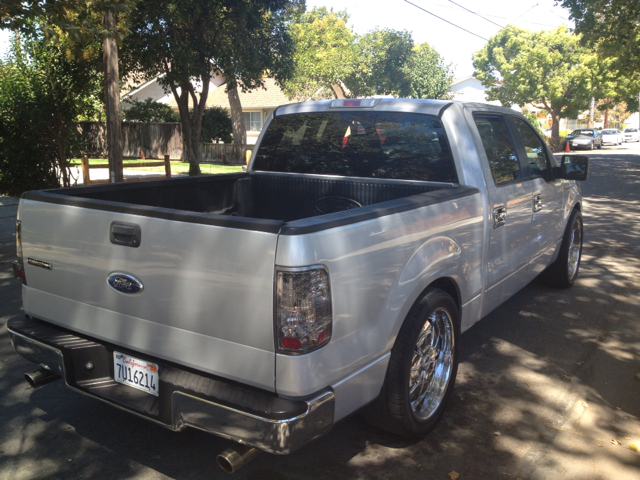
(176, 167)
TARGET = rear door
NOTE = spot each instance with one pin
(548, 194)
(510, 200)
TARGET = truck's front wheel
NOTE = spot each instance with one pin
(422, 368)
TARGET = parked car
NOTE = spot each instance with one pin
(631, 135)
(587, 138)
(365, 236)
(612, 136)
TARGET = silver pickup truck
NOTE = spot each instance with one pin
(336, 274)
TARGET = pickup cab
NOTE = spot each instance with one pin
(335, 275)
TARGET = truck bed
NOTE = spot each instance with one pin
(259, 201)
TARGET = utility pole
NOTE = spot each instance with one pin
(592, 108)
(112, 98)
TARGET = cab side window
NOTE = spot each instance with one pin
(498, 147)
(535, 149)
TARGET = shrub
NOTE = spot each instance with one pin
(148, 111)
(216, 125)
(42, 94)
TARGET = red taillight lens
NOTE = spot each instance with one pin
(303, 309)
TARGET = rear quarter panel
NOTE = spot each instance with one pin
(378, 269)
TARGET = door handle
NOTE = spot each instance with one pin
(126, 234)
(499, 216)
(537, 202)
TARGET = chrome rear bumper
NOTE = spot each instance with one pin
(239, 413)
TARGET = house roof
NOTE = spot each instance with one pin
(270, 96)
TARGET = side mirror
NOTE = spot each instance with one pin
(573, 167)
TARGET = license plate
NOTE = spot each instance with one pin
(135, 373)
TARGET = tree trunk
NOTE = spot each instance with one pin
(555, 123)
(239, 130)
(112, 98)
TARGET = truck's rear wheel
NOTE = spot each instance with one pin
(422, 368)
(563, 272)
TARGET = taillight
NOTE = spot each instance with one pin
(18, 265)
(303, 309)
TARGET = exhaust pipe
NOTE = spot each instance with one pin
(40, 377)
(232, 459)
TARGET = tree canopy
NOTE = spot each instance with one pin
(547, 68)
(379, 70)
(324, 54)
(612, 27)
(330, 60)
(185, 42)
(429, 76)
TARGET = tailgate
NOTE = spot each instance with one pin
(207, 290)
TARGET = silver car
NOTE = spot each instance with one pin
(612, 136)
(631, 135)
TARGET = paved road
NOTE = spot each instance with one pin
(546, 383)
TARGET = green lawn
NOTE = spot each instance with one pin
(176, 167)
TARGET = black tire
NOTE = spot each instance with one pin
(591, 146)
(563, 272)
(434, 323)
(600, 147)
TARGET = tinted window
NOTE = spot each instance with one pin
(536, 151)
(360, 144)
(499, 148)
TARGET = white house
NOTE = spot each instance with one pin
(470, 89)
(256, 104)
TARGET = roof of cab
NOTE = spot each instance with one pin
(409, 105)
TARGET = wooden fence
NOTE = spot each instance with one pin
(86, 167)
(158, 140)
(229, 153)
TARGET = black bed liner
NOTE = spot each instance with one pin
(272, 203)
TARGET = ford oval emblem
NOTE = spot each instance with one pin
(124, 283)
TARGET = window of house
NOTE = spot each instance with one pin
(252, 121)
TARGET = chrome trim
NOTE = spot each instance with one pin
(499, 216)
(274, 436)
(38, 353)
(537, 202)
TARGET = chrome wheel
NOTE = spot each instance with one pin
(432, 364)
(575, 247)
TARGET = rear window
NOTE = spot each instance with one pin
(360, 144)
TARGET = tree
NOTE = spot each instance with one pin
(324, 54)
(149, 110)
(612, 27)
(547, 68)
(330, 61)
(42, 94)
(428, 74)
(186, 42)
(77, 26)
(380, 68)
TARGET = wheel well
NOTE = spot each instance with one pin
(449, 286)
